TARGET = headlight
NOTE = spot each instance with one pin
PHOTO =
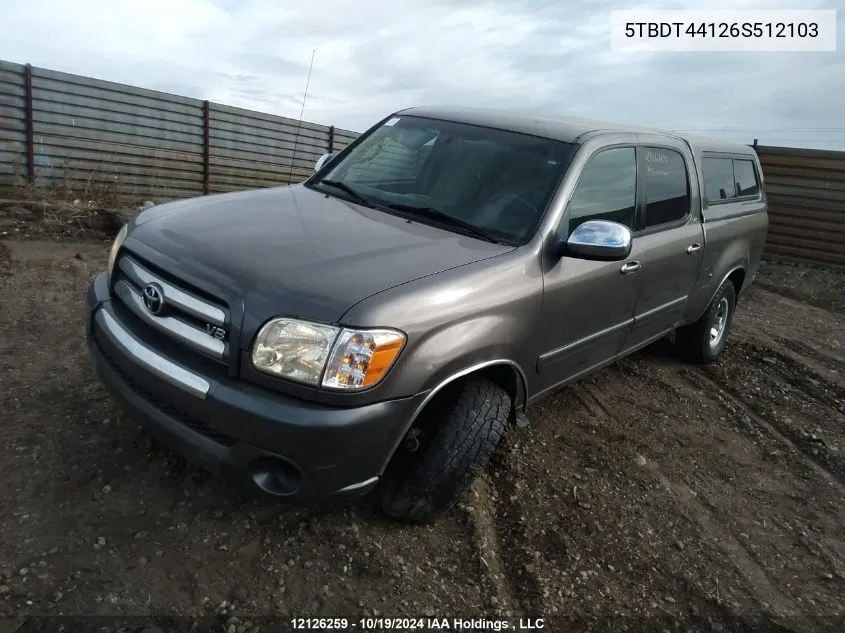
(293, 349)
(115, 247)
(337, 358)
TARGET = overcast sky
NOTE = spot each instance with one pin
(374, 57)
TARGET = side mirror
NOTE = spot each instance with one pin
(322, 161)
(599, 240)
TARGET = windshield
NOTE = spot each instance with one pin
(496, 181)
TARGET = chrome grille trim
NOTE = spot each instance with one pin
(178, 329)
(175, 297)
(154, 362)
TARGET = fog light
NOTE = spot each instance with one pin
(275, 476)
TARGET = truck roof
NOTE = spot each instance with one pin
(564, 128)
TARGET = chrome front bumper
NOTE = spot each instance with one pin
(150, 360)
(224, 423)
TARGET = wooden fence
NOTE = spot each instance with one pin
(63, 130)
(87, 135)
(806, 197)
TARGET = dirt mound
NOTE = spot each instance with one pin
(63, 220)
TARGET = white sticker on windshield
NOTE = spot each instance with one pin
(392, 121)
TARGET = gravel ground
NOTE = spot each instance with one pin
(821, 287)
(651, 496)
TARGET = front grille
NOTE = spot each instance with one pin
(165, 407)
(180, 315)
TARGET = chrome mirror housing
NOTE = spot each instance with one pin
(599, 239)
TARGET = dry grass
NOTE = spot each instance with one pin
(89, 204)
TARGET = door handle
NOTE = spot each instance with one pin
(693, 247)
(629, 267)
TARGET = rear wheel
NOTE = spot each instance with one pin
(448, 447)
(705, 340)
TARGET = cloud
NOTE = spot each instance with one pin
(375, 57)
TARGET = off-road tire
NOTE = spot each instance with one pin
(459, 450)
(693, 342)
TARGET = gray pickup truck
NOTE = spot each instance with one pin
(378, 326)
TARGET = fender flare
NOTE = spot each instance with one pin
(522, 387)
(716, 289)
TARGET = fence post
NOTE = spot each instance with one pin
(206, 147)
(331, 139)
(30, 131)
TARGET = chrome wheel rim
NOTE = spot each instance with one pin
(720, 321)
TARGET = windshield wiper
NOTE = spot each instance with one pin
(337, 184)
(444, 218)
(431, 212)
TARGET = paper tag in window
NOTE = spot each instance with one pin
(392, 121)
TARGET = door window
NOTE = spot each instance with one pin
(666, 184)
(606, 190)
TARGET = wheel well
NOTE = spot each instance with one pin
(506, 376)
(737, 278)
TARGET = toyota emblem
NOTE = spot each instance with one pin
(153, 298)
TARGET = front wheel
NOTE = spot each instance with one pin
(705, 340)
(458, 434)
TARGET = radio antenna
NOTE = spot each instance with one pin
(301, 113)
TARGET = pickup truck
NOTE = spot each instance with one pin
(380, 325)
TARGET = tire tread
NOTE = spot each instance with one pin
(692, 341)
(460, 450)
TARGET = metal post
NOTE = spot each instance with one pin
(30, 131)
(206, 147)
(331, 139)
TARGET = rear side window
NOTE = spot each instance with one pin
(666, 182)
(746, 178)
(729, 178)
(718, 179)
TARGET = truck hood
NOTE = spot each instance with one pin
(294, 251)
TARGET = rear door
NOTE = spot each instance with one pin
(668, 242)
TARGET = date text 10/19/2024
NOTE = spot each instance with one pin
(416, 624)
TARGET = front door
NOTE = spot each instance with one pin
(668, 243)
(588, 306)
